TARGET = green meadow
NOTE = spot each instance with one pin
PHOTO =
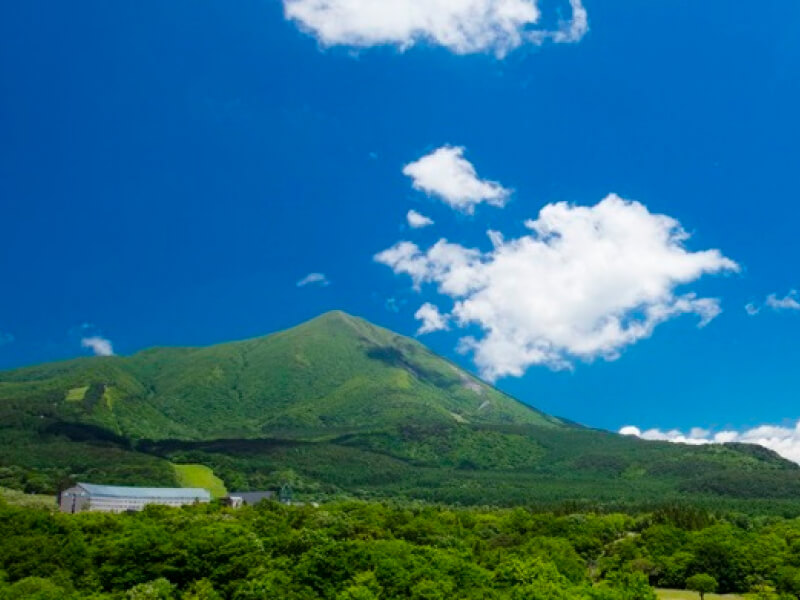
(200, 476)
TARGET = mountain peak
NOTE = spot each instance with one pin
(332, 315)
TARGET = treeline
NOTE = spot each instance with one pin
(367, 551)
(44, 462)
(738, 552)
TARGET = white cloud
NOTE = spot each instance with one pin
(788, 302)
(585, 283)
(314, 279)
(5, 338)
(417, 220)
(432, 319)
(569, 31)
(631, 430)
(783, 440)
(461, 26)
(446, 174)
(99, 345)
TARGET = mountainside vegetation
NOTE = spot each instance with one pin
(338, 407)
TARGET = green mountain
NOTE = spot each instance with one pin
(340, 406)
(335, 373)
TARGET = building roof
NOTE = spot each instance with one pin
(252, 497)
(119, 491)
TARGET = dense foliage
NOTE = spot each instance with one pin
(364, 551)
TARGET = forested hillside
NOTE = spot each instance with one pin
(340, 408)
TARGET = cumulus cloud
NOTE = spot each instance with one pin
(783, 440)
(447, 175)
(314, 279)
(432, 319)
(586, 282)
(417, 220)
(630, 430)
(461, 26)
(99, 345)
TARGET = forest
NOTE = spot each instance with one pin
(359, 550)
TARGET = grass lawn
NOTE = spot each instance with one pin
(202, 477)
(687, 595)
(30, 500)
(77, 394)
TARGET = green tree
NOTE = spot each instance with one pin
(158, 589)
(34, 588)
(702, 583)
(763, 591)
(625, 586)
(364, 587)
(788, 580)
(202, 589)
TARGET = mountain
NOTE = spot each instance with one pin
(340, 406)
(334, 373)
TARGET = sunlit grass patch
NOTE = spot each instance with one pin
(77, 394)
(200, 476)
(18, 498)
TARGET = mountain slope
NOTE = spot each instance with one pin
(337, 405)
(336, 373)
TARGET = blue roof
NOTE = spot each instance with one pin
(119, 491)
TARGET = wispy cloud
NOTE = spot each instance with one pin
(789, 302)
(783, 440)
(99, 345)
(586, 282)
(752, 309)
(447, 175)
(463, 27)
(5, 338)
(318, 279)
(569, 31)
(394, 304)
(417, 220)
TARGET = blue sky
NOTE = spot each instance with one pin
(170, 171)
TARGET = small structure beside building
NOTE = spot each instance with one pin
(115, 498)
(239, 499)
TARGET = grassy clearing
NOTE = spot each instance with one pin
(77, 394)
(200, 476)
(17, 498)
(688, 595)
(110, 396)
